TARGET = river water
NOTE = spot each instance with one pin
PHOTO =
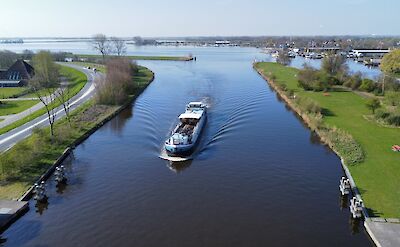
(259, 176)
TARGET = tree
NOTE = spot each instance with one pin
(119, 46)
(138, 40)
(45, 81)
(334, 65)
(390, 65)
(283, 58)
(27, 54)
(373, 104)
(63, 96)
(7, 58)
(391, 62)
(101, 44)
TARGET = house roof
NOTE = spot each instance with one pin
(19, 70)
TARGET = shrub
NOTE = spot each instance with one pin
(312, 79)
(382, 114)
(282, 86)
(373, 104)
(393, 119)
(316, 122)
(308, 105)
(346, 145)
(367, 85)
(353, 81)
(115, 88)
(392, 98)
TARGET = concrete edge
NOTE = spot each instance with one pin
(19, 213)
(371, 233)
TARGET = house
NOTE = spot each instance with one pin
(17, 75)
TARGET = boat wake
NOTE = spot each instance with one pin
(163, 155)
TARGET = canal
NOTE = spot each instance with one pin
(259, 176)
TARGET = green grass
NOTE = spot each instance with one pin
(378, 177)
(8, 92)
(21, 165)
(41, 92)
(14, 107)
(77, 82)
(162, 58)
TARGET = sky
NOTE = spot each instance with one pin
(179, 18)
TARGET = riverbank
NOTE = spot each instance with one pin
(161, 58)
(346, 111)
(25, 162)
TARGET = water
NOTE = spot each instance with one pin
(259, 177)
(85, 48)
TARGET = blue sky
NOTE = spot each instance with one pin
(149, 18)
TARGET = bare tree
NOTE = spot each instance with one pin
(63, 96)
(101, 43)
(45, 81)
(283, 58)
(119, 46)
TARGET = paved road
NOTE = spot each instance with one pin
(9, 119)
(8, 139)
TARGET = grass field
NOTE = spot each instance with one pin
(7, 92)
(14, 107)
(378, 177)
(18, 172)
(77, 82)
(162, 58)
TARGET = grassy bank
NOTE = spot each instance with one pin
(12, 92)
(29, 159)
(77, 81)
(162, 58)
(378, 174)
(14, 107)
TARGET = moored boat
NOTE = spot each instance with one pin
(185, 135)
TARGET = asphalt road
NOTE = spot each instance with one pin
(10, 138)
